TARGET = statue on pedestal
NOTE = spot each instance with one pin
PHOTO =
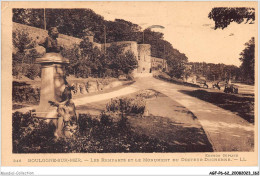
(51, 43)
(56, 103)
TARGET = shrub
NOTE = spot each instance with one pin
(121, 61)
(30, 135)
(126, 105)
(33, 71)
(23, 92)
(17, 70)
(33, 135)
(25, 56)
(86, 121)
(22, 40)
(146, 94)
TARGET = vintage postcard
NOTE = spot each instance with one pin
(129, 83)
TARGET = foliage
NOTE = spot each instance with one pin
(22, 41)
(126, 105)
(74, 22)
(121, 61)
(86, 60)
(31, 17)
(23, 44)
(33, 71)
(30, 135)
(214, 72)
(121, 30)
(23, 59)
(176, 66)
(248, 61)
(148, 93)
(223, 16)
(29, 70)
(24, 93)
(33, 135)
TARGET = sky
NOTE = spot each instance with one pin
(187, 27)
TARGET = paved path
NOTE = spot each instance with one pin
(105, 96)
(93, 98)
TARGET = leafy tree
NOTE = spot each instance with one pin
(73, 54)
(215, 72)
(120, 60)
(83, 60)
(223, 16)
(33, 71)
(24, 58)
(86, 60)
(248, 61)
(22, 41)
(31, 17)
(176, 65)
(121, 30)
(73, 22)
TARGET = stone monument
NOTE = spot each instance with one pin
(52, 75)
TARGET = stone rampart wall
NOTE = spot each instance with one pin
(38, 34)
(141, 51)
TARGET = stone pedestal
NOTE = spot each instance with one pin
(52, 83)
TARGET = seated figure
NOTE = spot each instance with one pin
(66, 113)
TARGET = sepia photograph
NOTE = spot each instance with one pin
(133, 77)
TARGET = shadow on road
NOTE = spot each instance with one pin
(242, 105)
(179, 136)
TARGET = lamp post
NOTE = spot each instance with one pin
(105, 39)
(44, 18)
(164, 57)
(143, 36)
